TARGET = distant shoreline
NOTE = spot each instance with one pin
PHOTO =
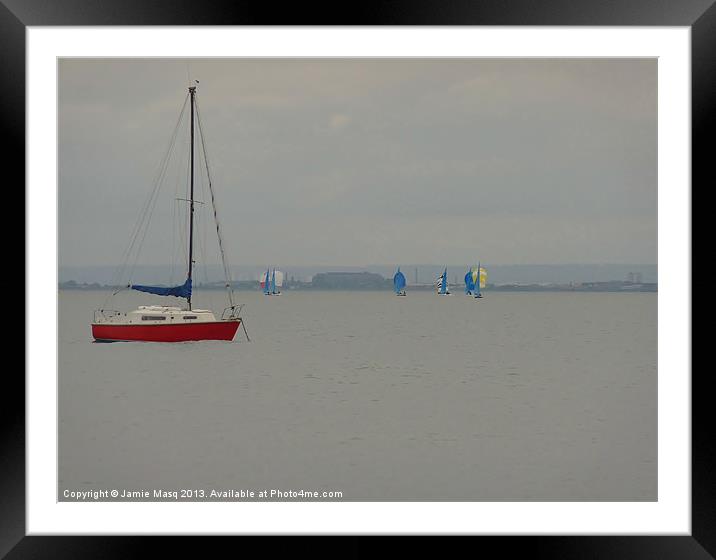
(613, 286)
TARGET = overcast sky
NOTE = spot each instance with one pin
(352, 162)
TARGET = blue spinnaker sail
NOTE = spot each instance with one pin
(183, 291)
(273, 282)
(469, 283)
(443, 285)
(399, 281)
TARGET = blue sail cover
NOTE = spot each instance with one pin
(183, 291)
(399, 281)
(469, 283)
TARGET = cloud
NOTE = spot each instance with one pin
(326, 160)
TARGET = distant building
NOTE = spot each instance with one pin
(634, 278)
(349, 281)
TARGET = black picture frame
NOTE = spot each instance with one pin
(16, 15)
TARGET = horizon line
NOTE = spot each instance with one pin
(259, 265)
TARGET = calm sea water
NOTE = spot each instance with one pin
(519, 396)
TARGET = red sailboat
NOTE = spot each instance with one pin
(164, 323)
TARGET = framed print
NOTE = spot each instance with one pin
(340, 164)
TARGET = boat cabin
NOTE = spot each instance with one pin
(160, 315)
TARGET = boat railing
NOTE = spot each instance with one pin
(232, 312)
(104, 314)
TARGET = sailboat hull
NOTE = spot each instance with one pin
(215, 330)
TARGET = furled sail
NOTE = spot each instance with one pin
(399, 281)
(183, 291)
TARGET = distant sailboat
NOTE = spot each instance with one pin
(271, 281)
(480, 279)
(399, 283)
(275, 283)
(441, 285)
(266, 283)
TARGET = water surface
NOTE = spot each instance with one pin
(518, 396)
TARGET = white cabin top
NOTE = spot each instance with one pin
(167, 309)
(158, 314)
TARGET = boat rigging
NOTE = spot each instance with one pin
(162, 323)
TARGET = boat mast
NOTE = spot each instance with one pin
(479, 279)
(192, 91)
